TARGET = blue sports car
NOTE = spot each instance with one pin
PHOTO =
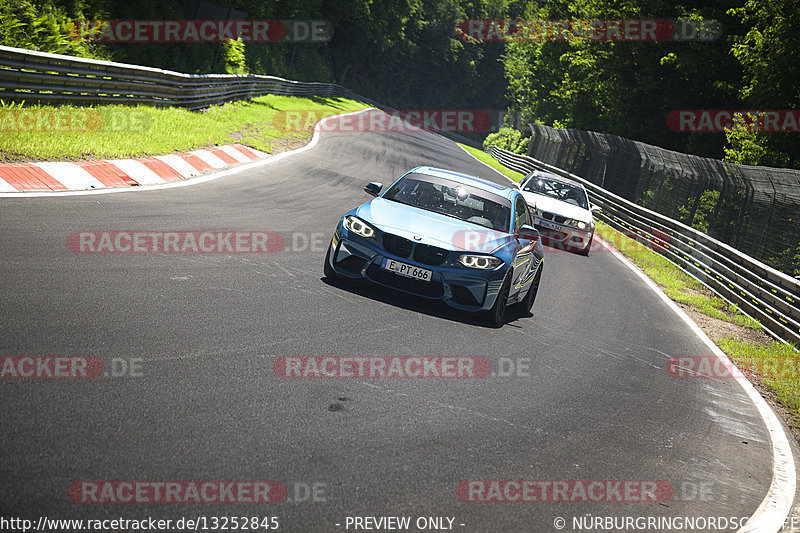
(443, 235)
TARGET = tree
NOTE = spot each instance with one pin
(768, 56)
(624, 88)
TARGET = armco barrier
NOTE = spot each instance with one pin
(31, 76)
(38, 76)
(770, 296)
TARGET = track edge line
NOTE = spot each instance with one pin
(776, 506)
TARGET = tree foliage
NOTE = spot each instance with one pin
(405, 53)
(624, 88)
(42, 26)
(768, 55)
(508, 139)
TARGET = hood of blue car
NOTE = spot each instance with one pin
(430, 228)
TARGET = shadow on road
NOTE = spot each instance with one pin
(418, 304)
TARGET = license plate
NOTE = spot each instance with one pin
(410, 271)
(548, 225)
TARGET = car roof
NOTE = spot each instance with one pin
(551, 176)
(478, 183)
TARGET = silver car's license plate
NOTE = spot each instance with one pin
(407, 270)
(548, 225)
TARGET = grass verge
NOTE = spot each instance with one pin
(483, 157)
(268, 123)
(775, 366)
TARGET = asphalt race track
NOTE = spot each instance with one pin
(190, 340)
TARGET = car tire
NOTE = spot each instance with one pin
(527, 303)
(585, 251)
(496, 315)
(330, 273)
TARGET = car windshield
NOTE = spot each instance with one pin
(557, 189)
(452, 199)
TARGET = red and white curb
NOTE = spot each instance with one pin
(94, 175)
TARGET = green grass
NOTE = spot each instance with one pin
(678, 285)
(115, 131)
(776, 365)
(483, 157)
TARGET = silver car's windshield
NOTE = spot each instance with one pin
(452, 199)
(558, 190)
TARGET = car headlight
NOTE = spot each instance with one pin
(574, 223)
(482, 262)
(359, 227)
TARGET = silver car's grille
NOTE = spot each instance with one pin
(554, 217)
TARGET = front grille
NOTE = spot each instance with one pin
(397, 245)
(425, 254)
(429, 255)
(431, 289)
(552, 216)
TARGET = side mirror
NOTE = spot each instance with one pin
(373, 188)
(528, 232)
(596, 209)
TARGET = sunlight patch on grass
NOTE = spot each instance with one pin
(116, 131)
(775, 364)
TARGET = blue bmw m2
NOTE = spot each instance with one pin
(443, 235)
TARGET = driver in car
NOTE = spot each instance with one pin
(494, 213)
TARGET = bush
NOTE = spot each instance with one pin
(508, 139)
(233, 53)
(46, 28)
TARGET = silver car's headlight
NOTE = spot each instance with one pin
(359, 227)
(574, 223)
(482, 262)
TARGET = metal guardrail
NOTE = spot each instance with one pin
(54, 78)
(31, 76)
(758, 290)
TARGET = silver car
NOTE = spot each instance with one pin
(561, 211)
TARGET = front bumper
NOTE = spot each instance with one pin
(563, 237)
(459, 287)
